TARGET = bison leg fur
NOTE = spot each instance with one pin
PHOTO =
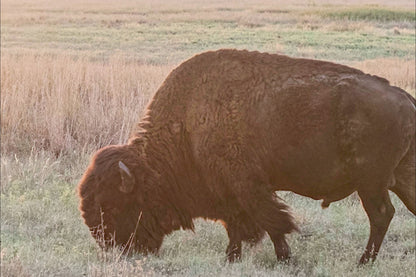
(233, 251)
(273, 216)
(380, 211)
(234, 247)
(277, 221)
(240, 228)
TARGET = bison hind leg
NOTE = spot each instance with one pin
(380, 211)
(405, 176)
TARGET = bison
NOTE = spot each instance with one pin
(229, 128)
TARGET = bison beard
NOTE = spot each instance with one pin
(229, 128)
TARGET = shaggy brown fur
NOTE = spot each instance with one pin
(229, 128)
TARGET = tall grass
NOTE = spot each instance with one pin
(61, 104)
(399, 72)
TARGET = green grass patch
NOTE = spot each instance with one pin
(345, 45)
(172, 35)
(158, 43)
(369, 13)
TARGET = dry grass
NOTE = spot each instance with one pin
(62, 104)
(399, 72)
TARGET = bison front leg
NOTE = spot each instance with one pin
(233, 250)
(281, 248)
(241, 228)
(272, 215)
(380, 211)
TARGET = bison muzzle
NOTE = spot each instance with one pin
(227, 129)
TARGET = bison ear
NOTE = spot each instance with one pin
(127, 179)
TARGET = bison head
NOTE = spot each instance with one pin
(112, 193)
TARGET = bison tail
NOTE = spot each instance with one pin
(405, 186)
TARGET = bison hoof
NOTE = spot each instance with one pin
(282, 250)
(283, 257)
(233, 257)
(364, 260)
(367, 257)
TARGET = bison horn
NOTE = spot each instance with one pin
(127, 179)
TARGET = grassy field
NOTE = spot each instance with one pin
(76, 75)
